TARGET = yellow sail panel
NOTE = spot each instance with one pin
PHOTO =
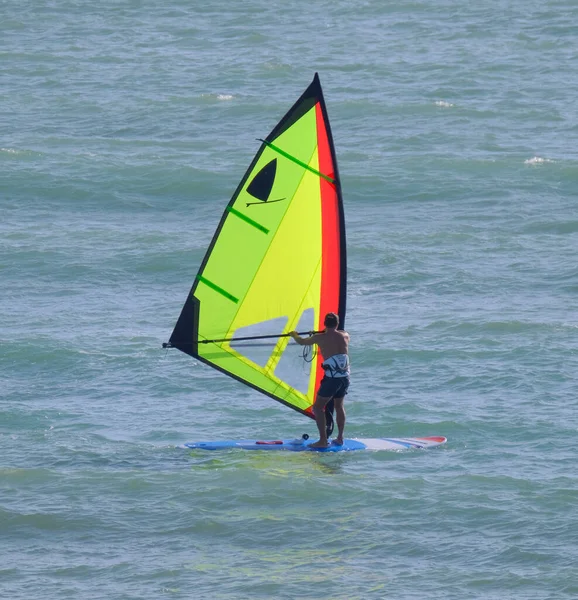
(287, 282)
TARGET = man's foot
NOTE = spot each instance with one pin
(338, 441)
(319, 444)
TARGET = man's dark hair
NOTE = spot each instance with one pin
(331, 320)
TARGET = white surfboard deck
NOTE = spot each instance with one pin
(301, 445)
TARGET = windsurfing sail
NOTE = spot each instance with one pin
(276, 263)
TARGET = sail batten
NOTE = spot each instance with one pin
(218, 289)
(276, 262)
(300, 163)
(247, 219)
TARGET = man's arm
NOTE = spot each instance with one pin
(303, 341)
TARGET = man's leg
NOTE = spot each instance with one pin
(319, 412)
(340, 418)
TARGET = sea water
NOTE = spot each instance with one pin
(125, 127)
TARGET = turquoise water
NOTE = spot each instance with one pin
(124, 129)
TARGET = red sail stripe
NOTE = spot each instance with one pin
(330, 260)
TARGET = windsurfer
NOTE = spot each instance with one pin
(334, 348)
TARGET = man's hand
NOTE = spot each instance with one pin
(294, 334)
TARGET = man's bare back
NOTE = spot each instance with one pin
(331, 342)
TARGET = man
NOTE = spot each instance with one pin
(334, 348)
